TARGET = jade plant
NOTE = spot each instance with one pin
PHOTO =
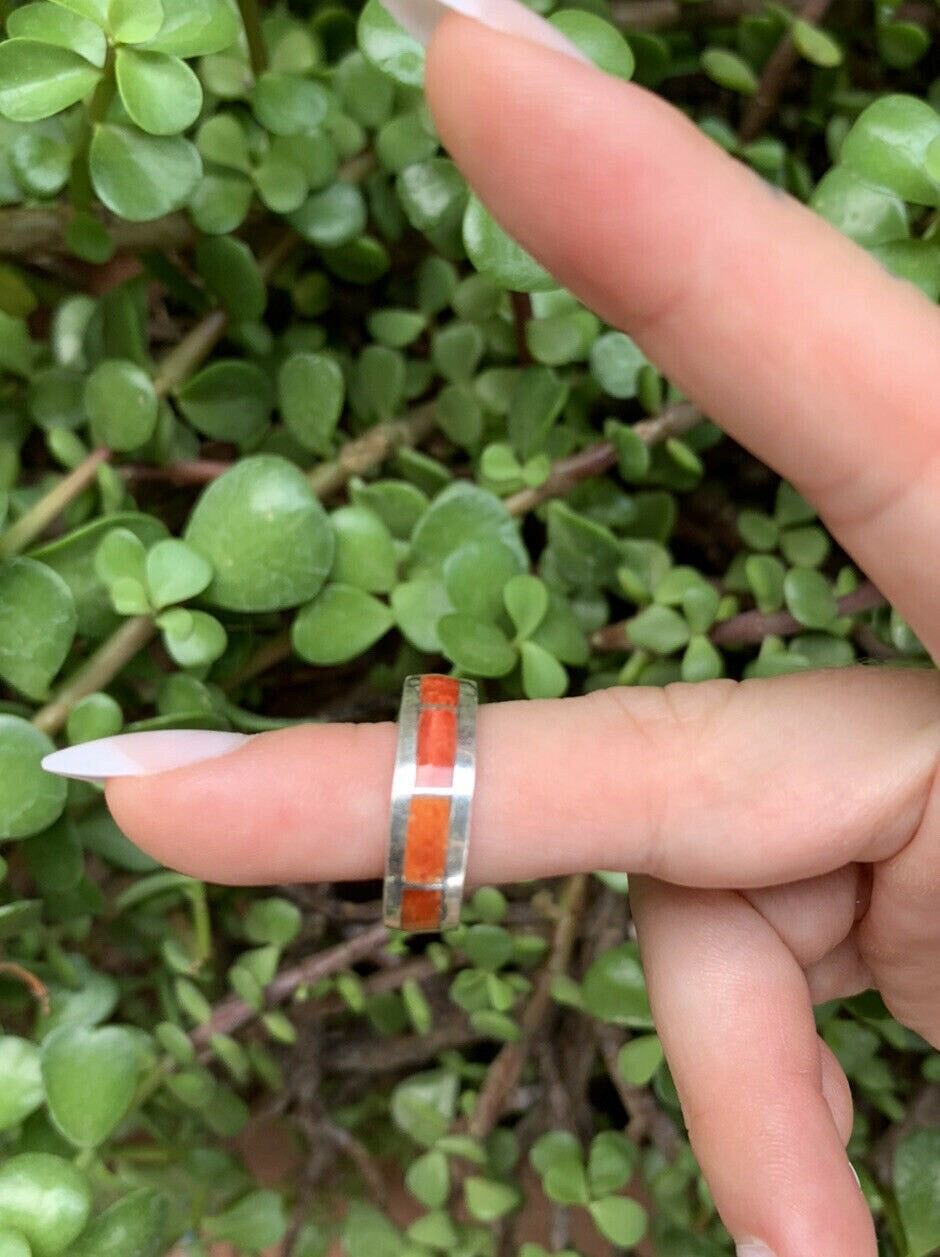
(285, 415)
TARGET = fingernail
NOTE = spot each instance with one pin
(140, 754)
(753, 1248)
(419, 18)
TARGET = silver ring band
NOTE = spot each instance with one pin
(432, 792)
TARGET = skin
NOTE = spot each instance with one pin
(783, 837)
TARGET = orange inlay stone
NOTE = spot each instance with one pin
(420, 909)
(435, 689)
(426, 838)
(437, 737)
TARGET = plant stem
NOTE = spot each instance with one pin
(251, 19)
(773, 80)
(596, 459)
(521, 311)
(234, 1013)
(28, 527)
(97, 672)
(365, 451)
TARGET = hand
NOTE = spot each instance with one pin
(812, 795)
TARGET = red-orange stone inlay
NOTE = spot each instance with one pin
(420, 909)
(435, 689)
(437, 737)
(426, 838)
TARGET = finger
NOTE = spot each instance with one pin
(899, 936)
(790, 336)
(812, 916)
(710, 784)
(734, 1015)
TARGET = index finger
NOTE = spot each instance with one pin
(825, 768)
(787, 334)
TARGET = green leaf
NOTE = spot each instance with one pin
(231, 274)
(765, 575)
(805, 547)
(92, 10)
(268, 539)
(120, 555)
(701, 661)
(121, 404)
(38, 80)
(619, 1219)
(526, 600)
(597, 39)
(286, 104)
(365, 552)
(196, 28)
(538, 398)
(37, 625)
(432, 193)
(729, 70)
(901, 44)
(51, 25)
(341, 623)
(475, 646)
(558, 1150)
(487, 946)
(134, 21)
(461, 513)
(311, 395)
(810, 598)
(633, 454)
(46, 1198)
(256, 1221)
(14, 1244)
(497, 255)
(611, 1161)
(586, 553)
(192, 638)
(274, 921)
(20, 916)
(397, 502)
(561, 634)
(396, 328)
(487, 1199)
(220, 203)
(90, 1076)
(160, 93)
(94, 999)
(615, 990)
(888, 145)
(175, 572)
(815, 45)
(456, 350)
(134, 1226)
(389, 47)
(424, 1105)
(141, 177)
(332, 217)
(459, 414)
(475, 574)
(21, 1089)
(30, 799)
(917, 1189)
(42, 166)
(94, 716)
(542, 675)
(638, 1060)
(428, 1179)
(230, 400)
(222, 140)
(417, 605)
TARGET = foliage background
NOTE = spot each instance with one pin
(284, 416)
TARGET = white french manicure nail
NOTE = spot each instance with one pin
(140, 754)
(419, 18)
(753, 1248)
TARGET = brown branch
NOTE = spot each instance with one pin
(521, 304)
(566, 473)
(360, 1156)
(503, 1073)
(29, 526)
(773, 79)
(186, 471)
(750, 627)
(41, 229)
(372, 447)
(234, 1013)
(37, 989)
(368, 1054)
(98, 672)
(646, 1119)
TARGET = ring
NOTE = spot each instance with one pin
(432, 790)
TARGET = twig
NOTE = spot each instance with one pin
(393, 1053)
(646, 1118)
(188, 471)
(41, 229)
(503, 1073)
(96, 673)
(29, 526)
(37, 989)
(596, 459)
(234, 1013)
(521, 304)
(372, 447)
(360, 1156)
(750, 627)
(774, 77)
(251, 20)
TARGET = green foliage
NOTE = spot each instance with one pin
(330, 425)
